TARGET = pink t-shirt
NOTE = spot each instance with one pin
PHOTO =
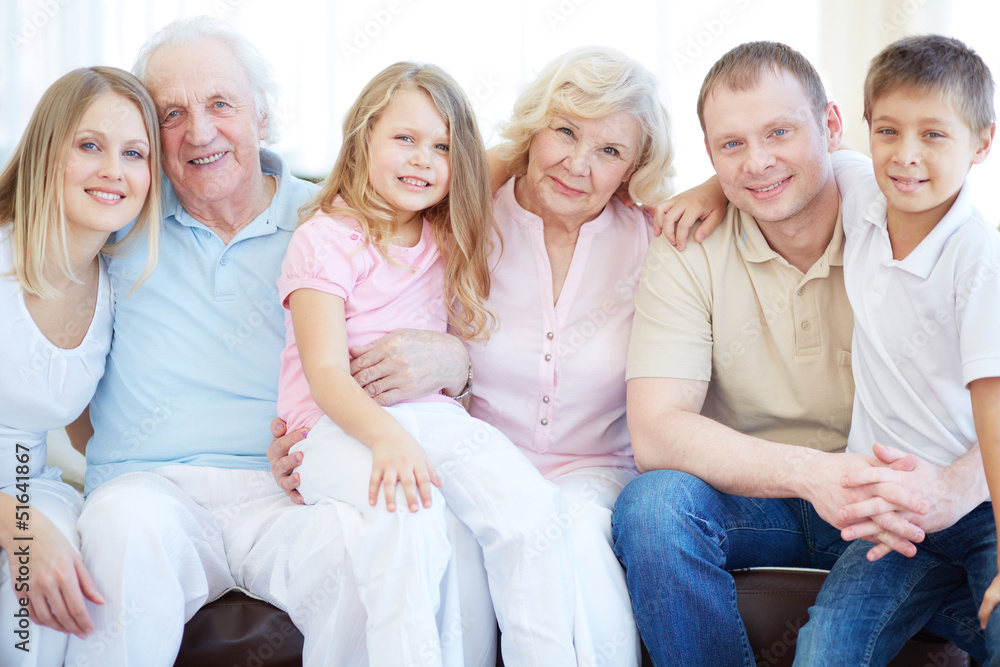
(330, 255)
(553, 377)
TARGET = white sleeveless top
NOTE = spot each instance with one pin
(42, 387)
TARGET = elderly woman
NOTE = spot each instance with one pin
(552, 378)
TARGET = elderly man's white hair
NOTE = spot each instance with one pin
(263, 85)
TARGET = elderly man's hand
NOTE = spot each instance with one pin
(410, 363)
(283, 463)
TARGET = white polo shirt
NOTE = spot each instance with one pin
(924, 326)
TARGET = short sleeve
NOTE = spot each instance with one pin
(325, 254)
(977, 309)
(672, 329)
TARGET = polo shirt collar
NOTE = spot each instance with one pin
(921, 261)
(265, 223)
(755, 248)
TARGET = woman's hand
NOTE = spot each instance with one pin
(401, 459)
(677, 215)
(410, 363)
(59, 581)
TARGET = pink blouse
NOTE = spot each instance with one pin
(553, 377)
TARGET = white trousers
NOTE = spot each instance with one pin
(60, 503)
(495, 491)
(604, 629)
(162, 543)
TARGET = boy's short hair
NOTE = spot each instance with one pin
(742, 68)
(934, 63)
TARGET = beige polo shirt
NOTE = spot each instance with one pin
(774, 344)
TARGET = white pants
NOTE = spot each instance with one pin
(162, 543)
(604, 629)
(495, 491)
(60, 503)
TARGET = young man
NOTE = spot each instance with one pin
(922, 271)
(740, 388)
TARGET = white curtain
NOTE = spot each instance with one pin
(324, 52)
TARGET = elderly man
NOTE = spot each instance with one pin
(740, 389)
(180, 503)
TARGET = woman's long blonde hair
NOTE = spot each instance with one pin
(463, 221)
(31, 185)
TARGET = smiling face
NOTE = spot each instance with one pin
(771, 155)
(922, 149)
(209, 127)
(409, 163)
(107, 171)
(576, 164)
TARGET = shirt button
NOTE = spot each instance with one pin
(545, 399)
(545, 422)
(548, 357)
(550, 335)
(801, 291)
(224, 261)
(806, 326)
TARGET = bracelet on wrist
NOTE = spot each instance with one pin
(466, 390)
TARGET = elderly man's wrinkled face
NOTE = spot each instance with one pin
(208, 125)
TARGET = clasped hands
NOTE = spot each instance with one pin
(891, 499)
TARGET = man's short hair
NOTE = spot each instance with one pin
(263, 85)
(934, 63)
(743, 67)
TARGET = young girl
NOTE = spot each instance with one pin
(87, 165)
(398, 238)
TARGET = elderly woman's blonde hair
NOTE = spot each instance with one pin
(31, 185)
(590, 83)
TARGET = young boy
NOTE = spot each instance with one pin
(922, 272)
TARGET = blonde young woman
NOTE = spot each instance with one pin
(86, 167)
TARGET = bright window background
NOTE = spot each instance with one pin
(324, 52)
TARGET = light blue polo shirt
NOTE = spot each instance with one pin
(192, 376)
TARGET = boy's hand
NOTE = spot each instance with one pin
(401, 459)
(59, 581)
(676, 216)
(990, 601)
(282, 463)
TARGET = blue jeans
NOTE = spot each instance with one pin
(677, 536)
(868, 610)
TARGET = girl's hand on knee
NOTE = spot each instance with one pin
(402, 460)
(990, 601)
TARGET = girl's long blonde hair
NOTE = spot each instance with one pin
(31, 185)
(462, 222)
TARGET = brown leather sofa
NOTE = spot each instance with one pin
(238, 630)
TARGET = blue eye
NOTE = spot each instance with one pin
(405, 138)
(132, 153)
(886, 130)
(780, 133)
(219, 105)
(731, 144)
(88, 146)
(443, 147)
(565, 130)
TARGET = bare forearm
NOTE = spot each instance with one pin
(347, 405)
(730, 461)
(80, 430)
